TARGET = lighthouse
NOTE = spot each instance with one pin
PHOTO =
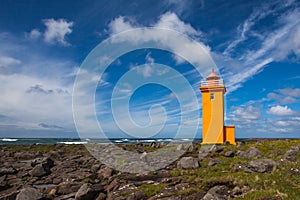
(213, 129)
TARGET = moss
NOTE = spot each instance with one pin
(25, 178)
(151, 189)
(125, 193)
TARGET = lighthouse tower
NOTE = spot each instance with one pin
(213, 129)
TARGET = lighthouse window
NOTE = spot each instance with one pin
(212, 96)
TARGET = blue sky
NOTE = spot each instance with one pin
(255, 46)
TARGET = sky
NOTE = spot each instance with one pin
(51, 83)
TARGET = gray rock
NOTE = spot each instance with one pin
(251, 152)
(144, 156)
(214, 162)
(7, 170)
(39, 171)
(180, 147)
(236, 191)
(29, 194)
(229, 154)
(240, 144)
(206, 149)
(86, 192)
(261, 165)
(188, 162)
(291, 154)
(219, 192)
(47, 162)
(216, 149)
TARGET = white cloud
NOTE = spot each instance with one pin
(246, 114)
(7, 61)
(31, 100)
(294, 92)
(285, 95)
(120, 24)
(34, 34)
(56, 31)
(171, 21)
(280, 111)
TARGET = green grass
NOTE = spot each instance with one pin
(151, 189)
(279, 184)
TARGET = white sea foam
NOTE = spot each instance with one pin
(72, 142)
(9, 140)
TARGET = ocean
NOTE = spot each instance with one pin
(30, 141)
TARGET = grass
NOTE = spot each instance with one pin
(279, 184)
(152, 189)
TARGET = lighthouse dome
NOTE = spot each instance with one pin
(213, 76)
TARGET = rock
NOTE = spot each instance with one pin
(101, 196)
(7, 170)
(70, 196)
(68, 187)
(261, 165)
(140, 194)
(216, 149)
(251, 152)
(47, 162)
(236, 191)
(153, 145)
(291, 154)
(192, 147)
(86, 192)
(206, 149)
(240, 144)
(41, 166)
(139, 144)
(10, 196)
(3, 183)
(39, 171)
(29, 194)
(219, 192)
(188, 162)
(214, 162)
(113, 185)
(144, 156)
(105, 172)
(180, 147)
(23, 155)
(229, 154)
(181, 186)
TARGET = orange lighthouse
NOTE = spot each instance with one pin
(213, 129)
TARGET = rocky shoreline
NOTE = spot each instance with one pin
(256, 169)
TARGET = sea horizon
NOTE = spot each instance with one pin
(52, 141)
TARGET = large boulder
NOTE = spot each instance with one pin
(29, 194)
(39, 171)
(219, 192)
(251, 152)
(46, 161)
(188, 162)
(261, 165)
(41, 167)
